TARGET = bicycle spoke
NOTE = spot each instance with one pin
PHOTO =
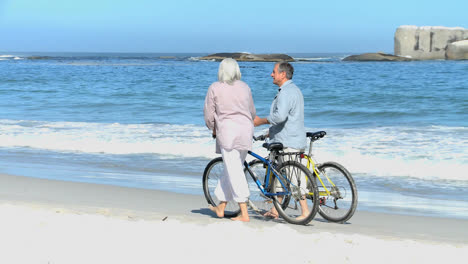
(257, 200)
(339, 203)
(296, 183)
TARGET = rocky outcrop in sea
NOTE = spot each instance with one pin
(379, 56)
(431, 42)
(240, 56)
(457, 50)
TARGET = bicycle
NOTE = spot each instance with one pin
(282, 185)
(337, 189)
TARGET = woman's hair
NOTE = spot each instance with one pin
(229, 71)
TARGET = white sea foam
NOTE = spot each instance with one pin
(10, 57)
(199, 59)
(431, 152)
(426, 169)
(426, 153)
(163, 139)
(314, 59)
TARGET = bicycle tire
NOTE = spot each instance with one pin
(299, 188)
(213, 170)
(258, 202)
(340, 206)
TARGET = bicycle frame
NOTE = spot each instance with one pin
(270, 170)
(311, 162)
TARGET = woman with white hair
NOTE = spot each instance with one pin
(229, 112)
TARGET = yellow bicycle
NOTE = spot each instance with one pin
(337, 189)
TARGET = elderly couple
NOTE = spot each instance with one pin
(230, 113)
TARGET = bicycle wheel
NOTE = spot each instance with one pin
(340, 203)
(302, 191)
(213, 171)
(257, 200)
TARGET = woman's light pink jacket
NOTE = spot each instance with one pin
(230, 110)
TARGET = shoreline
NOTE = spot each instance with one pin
(147, 204)
(50, 221)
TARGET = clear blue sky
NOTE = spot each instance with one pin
(257, 26)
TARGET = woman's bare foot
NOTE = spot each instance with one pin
(241, 218)
(219, 212)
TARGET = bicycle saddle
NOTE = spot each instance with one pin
(316, 135)
(273, 146)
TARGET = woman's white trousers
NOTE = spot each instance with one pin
(232, 185)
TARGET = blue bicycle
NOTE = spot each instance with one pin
(277, 180)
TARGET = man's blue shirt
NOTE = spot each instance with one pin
(287, 117)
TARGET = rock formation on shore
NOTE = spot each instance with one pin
(379, 56)
(430, 43)
(457, 50)
(239, 56)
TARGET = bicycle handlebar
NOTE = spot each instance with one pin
(260, 138)
(312, 135)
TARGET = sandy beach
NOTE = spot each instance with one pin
(47, 221)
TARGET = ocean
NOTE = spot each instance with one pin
(136, 120)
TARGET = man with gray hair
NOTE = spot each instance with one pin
(286, 118)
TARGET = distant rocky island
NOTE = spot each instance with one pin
(410, 43)
(242, 56)
(379, 56)
(423, 43)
